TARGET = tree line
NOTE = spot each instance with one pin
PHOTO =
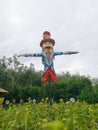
(24, 82)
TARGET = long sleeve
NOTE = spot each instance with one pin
(37, 54)
(66, 53)
(58, 53)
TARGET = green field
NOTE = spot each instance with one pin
(42, 116)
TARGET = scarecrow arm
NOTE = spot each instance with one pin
(31, 55)
(66, 53)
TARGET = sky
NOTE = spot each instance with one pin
(73, 25)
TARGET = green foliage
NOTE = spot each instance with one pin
(89, 95)
(23, 82)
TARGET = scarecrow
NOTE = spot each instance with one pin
(48, 54)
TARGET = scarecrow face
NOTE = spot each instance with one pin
(47, 47)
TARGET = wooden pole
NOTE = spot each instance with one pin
(50, 90)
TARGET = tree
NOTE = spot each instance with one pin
(24, 81)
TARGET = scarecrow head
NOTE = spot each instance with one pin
(47, 43)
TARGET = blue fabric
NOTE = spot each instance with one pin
(58, 53)
(37, 54)
(47, 62)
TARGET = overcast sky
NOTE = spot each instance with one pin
(72, 23)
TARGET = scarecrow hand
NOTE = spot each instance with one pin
(70, 52)
(67, 52)
(74, 52)
(23, 55)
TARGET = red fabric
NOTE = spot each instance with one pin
(51, 74)
(46, 36)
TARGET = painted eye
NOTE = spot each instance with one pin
(46, 43)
